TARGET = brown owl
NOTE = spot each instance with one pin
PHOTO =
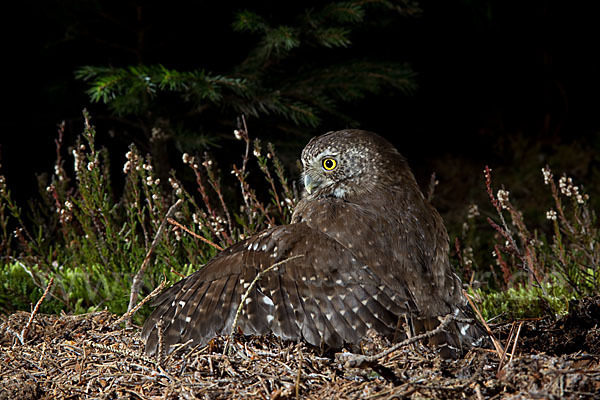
(373, 252)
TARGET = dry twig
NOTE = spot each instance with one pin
(351, 360)
(127, 316)
(205, 240)
(23, 335)
(495, 341)
(137, 280)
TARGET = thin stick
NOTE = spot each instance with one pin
(495, 341)
(160, 352)
(129, 314)
(137, 280)
(35, 311)
(205, 240)
(299, 371)
(122, 351)
(514, 348)
(360, 361)
(245, 296)
(510, 337)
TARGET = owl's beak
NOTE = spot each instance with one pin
(309, 183)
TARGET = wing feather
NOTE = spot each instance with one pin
(324, 297)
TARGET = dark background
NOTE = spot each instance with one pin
(489, 72)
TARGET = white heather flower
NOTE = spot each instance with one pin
(91, 166)
(465, 227)
(289, 201)
(127, 167)
(157, 181)
(129, 155)
(547, 175)
(256, 153)
(195, 218)
(473, 211)
(155, 196)
(76, 164)
(82, 147)
(238, 134)
(503, 198)
(68, 205)
(147, 167)
(174, 183)
(566, 185)
(551, 215)
(185, 158)
(195, 166)
(149, 181)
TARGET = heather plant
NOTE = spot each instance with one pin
(92, 242)
(536, 271)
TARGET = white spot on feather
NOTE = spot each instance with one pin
(188, 319)
(463, 329)
(267, 301)
(269, 318)
(264, 247)
(255, 247)
(182, 303)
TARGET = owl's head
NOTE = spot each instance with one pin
(349, 162)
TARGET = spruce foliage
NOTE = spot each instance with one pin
(298, 71)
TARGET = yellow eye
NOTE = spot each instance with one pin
(329, 164)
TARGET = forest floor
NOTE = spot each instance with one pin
(85, 356)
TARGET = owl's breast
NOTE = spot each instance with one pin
(360, 228)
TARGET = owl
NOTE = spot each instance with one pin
(365, 251)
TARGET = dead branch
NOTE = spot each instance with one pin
(137, 280)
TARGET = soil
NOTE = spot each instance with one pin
(87, 356)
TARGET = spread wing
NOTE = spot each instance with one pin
(326, 296)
